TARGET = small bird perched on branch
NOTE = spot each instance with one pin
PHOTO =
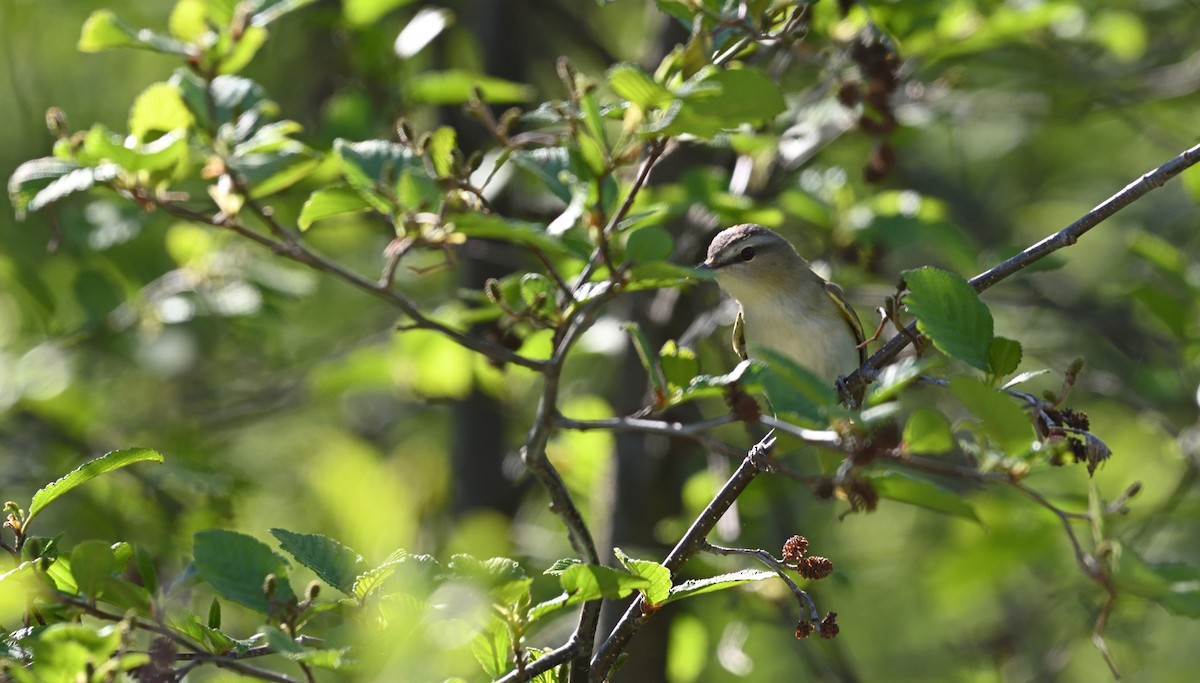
(783, 305)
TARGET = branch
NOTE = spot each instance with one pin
(776, 566)
(692, 542)
(1063, 238)
(298, 252)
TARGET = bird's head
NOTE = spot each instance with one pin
(750, 261)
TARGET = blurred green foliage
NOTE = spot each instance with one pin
(290, 411)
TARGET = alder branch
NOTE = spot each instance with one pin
(692, 542)
(1052, 243)
(298, 252)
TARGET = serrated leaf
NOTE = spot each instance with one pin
(158, 109)
(86, 472)
(422, 570)
(584, 582)
(928, 431)
(794, 389)
(333, 562)
(903, 487)
(1004, 422)
(456, 86)
(949, 312)
(696, 587)
(103, 30)
(331, 201)
(1004, 355)
(560, 566)
(658, 576)
(236, 565)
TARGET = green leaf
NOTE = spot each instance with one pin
(560, 566)
(1175, 586)
(458, 87)
(242, 50)
(31, 177)
(928, 431)
(696, 587)
(331, 201)
(366, 12)
(92, 563)
(212, 639)
(584, 582)
(630, 82)
(145, 568)
(649, 244)
(716, 100)
(336, 564)
(188, 21)
(442, 143)
(234, 99)
(552, 166)
(101, 145)
(537, 293)
(679, 365)
(1004, 422)
(1004, 355)
(158, 109)
(893, 378)
(372, 166)
(86, 472)
(266, 174)
(658, 576)
(103, 30)
(949, 312)
(492, 226)
(794, 389)
(904, 487)
(422, 571)
(236, 566)
(214, 614)
(491, 647)
(270, 10)
(647, 356)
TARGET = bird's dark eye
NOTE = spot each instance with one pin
(747, 253)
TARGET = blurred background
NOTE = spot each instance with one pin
(282, 398)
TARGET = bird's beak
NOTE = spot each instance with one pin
(704, 271)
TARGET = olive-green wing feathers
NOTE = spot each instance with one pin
(739, 336)
(838, 297)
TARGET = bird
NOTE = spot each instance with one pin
(783, 306)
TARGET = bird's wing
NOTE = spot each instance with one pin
(739, 336)
(838, 297)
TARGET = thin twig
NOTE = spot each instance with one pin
(300, 253)
(691, 542)
(776, 565)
